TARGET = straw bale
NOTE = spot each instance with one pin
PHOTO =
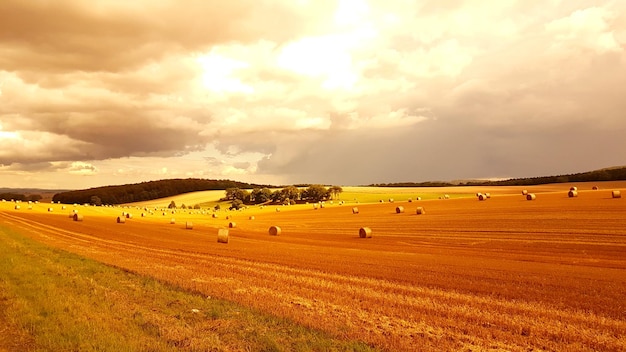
(222, 236)
(274, 231)
(365, 232)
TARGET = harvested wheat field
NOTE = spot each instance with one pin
(501, 274)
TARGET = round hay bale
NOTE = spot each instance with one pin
(524, 192)
(446, 196)
(595, 188)
(482, 197)
(222, 236)
(478, 194)
(172, 221)
(63, 207)
(531, 196)
(616, 194)
(390, 200)
(410, 200)
(278, 210)
(355, 210)
(227, 217)
(121, 220)
(321, 205)
(418, 198)
(17, 207)
(143, 215)
(365, 232)
(420, 211)
(50, 210)
(274, 231)
(399, 209)
(572, 193)
(232, 225)
(315, 206)
(251, 217)
(214, 216)
(78, 217)
(573, 188)
(129, 216)
(382, 201)
(488, 195)
(189, 225)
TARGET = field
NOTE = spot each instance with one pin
(501, 274)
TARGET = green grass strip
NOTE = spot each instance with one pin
(52, 300)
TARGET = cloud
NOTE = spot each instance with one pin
(355, 91)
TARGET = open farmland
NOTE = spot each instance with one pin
(501, 274)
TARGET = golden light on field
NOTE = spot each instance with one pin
(548, 274)
(348, 92)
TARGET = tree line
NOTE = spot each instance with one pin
(614, 174)
(286, 195)
(145, 191)
(20, 197)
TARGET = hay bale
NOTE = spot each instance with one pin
(390, 200)
(315, 206)
(17, 207)
(251, 217)
(420, 211)
(482, 197)
(222, 236)
(274, 231)
(418, 198)
(365, 232)
(232, 225)
(399, 209)
(445, 196)
(121, 220)
(595, 188)
(50, 210)
(488, 195)
(572, 193)
(355, 210)
(172, 221)
(524, 192)
(78, 217)
(143, 215)
(214, 216)
(189, 225)
(278, 210)
(616, 194)
(573, 188)
(129, 216)
(531, 196)
(410, 200)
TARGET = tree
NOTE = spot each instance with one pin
(290, 193)
(172, 205)
(236, 193)
(95, 200)
(333, 191)
(236, 204)
(260, 195)
(34, 197)
(315, 193)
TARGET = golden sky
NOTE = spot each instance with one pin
(341, 92)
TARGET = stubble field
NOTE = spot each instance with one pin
(500, 274)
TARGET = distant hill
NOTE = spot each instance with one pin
(146, 191)
(607, 174)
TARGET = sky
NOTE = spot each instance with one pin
(344, 92)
